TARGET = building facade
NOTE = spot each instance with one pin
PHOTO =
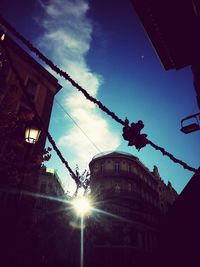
(41, 87)
(50, 192)
(49, 183)
(19, 165)
(132, 200)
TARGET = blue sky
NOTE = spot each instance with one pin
(104, 47)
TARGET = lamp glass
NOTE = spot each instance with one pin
(32, 135)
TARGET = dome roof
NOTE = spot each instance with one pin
(113, 153)
(118, 154)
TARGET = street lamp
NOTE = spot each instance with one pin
(32, 131)
(82, 206)
(191, 126)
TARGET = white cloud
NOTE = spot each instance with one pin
(67, 38)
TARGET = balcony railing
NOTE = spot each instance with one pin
(106, 173)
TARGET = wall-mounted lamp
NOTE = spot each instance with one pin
(190, 124)
(32, 131)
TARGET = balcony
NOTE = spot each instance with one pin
(113, 173)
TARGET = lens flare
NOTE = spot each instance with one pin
(82, 205)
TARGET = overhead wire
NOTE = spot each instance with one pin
(77, 125)
(67, 77)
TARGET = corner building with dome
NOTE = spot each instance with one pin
(133, 200)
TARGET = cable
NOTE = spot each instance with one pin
(64, 110)
(67, 77)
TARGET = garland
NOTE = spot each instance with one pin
(67, 77)
(175, 160)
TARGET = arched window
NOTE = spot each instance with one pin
(101, 168)
(129, 168)
(117, 188)
(129, 187)
(101, 187)
(43, 188)
(116, 166)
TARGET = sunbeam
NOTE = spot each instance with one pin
(28, 193)
(111, 215)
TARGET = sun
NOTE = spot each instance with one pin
(82, 205)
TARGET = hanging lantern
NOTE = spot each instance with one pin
(32, 132)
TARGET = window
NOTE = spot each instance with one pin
(117, 188)
(142, 193)
(101, 187)
(95, 169)
(129, 168)
(31, 87)
(116, 166)
(4, 70)
(101, 168)
(23, 109)
(135, 170)
(50, 185)
(129, 187)
(43, 188)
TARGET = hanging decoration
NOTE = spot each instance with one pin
(133, 136)
(139, 141)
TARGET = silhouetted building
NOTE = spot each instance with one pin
(50, 222)
(41, 87)
(18, 176)
(49, 183)
(133, 200)
(173, 28)
(179, 232)
(50, 192)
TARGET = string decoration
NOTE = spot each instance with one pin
(62, 73)
(141, 138)
(175, 160)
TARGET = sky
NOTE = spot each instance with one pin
(103, 46)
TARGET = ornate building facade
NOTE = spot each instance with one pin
(132, 200)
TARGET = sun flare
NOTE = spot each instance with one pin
(82, 205)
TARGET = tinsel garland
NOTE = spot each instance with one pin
(59, 71)
(175, 160)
